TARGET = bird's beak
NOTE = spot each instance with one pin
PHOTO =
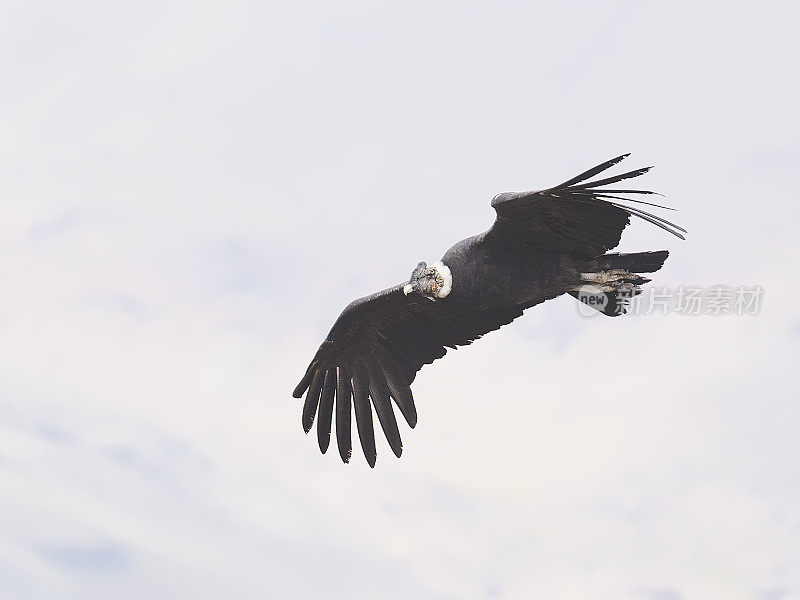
(408, 288)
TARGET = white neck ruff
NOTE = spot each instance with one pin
(443, 270)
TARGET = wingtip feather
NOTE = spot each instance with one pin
(594, 171)
(305, 381)
(344, 393)
(312, 400)
(325, 412)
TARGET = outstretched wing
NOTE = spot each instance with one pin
(373, 353)
(578, 216)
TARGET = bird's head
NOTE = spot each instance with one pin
(433, 282)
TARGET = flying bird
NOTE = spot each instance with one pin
(542, 244)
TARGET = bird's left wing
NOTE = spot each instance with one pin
(373, 353)
(579, 216)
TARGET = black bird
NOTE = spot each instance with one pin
(541, 245)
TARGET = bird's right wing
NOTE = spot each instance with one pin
(373, 352)
(578, 216)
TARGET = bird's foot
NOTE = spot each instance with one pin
(612, 280)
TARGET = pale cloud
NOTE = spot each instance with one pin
(194, 192)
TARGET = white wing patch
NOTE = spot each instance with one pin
(443, 270)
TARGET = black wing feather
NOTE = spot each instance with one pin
(344, 393)
(576, 216)
(363, 412)
(305, 381)
(312, 399)
(401, 392)
(375, 348)
(326, 410)
(379, 392)
(594, 171)
(614, 179)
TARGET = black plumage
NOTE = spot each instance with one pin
(541, 245)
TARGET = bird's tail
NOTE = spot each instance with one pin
(613, 279)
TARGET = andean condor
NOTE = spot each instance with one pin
(541, 245)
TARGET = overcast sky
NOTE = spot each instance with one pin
(191, 193)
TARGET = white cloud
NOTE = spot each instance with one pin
(192, 194)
